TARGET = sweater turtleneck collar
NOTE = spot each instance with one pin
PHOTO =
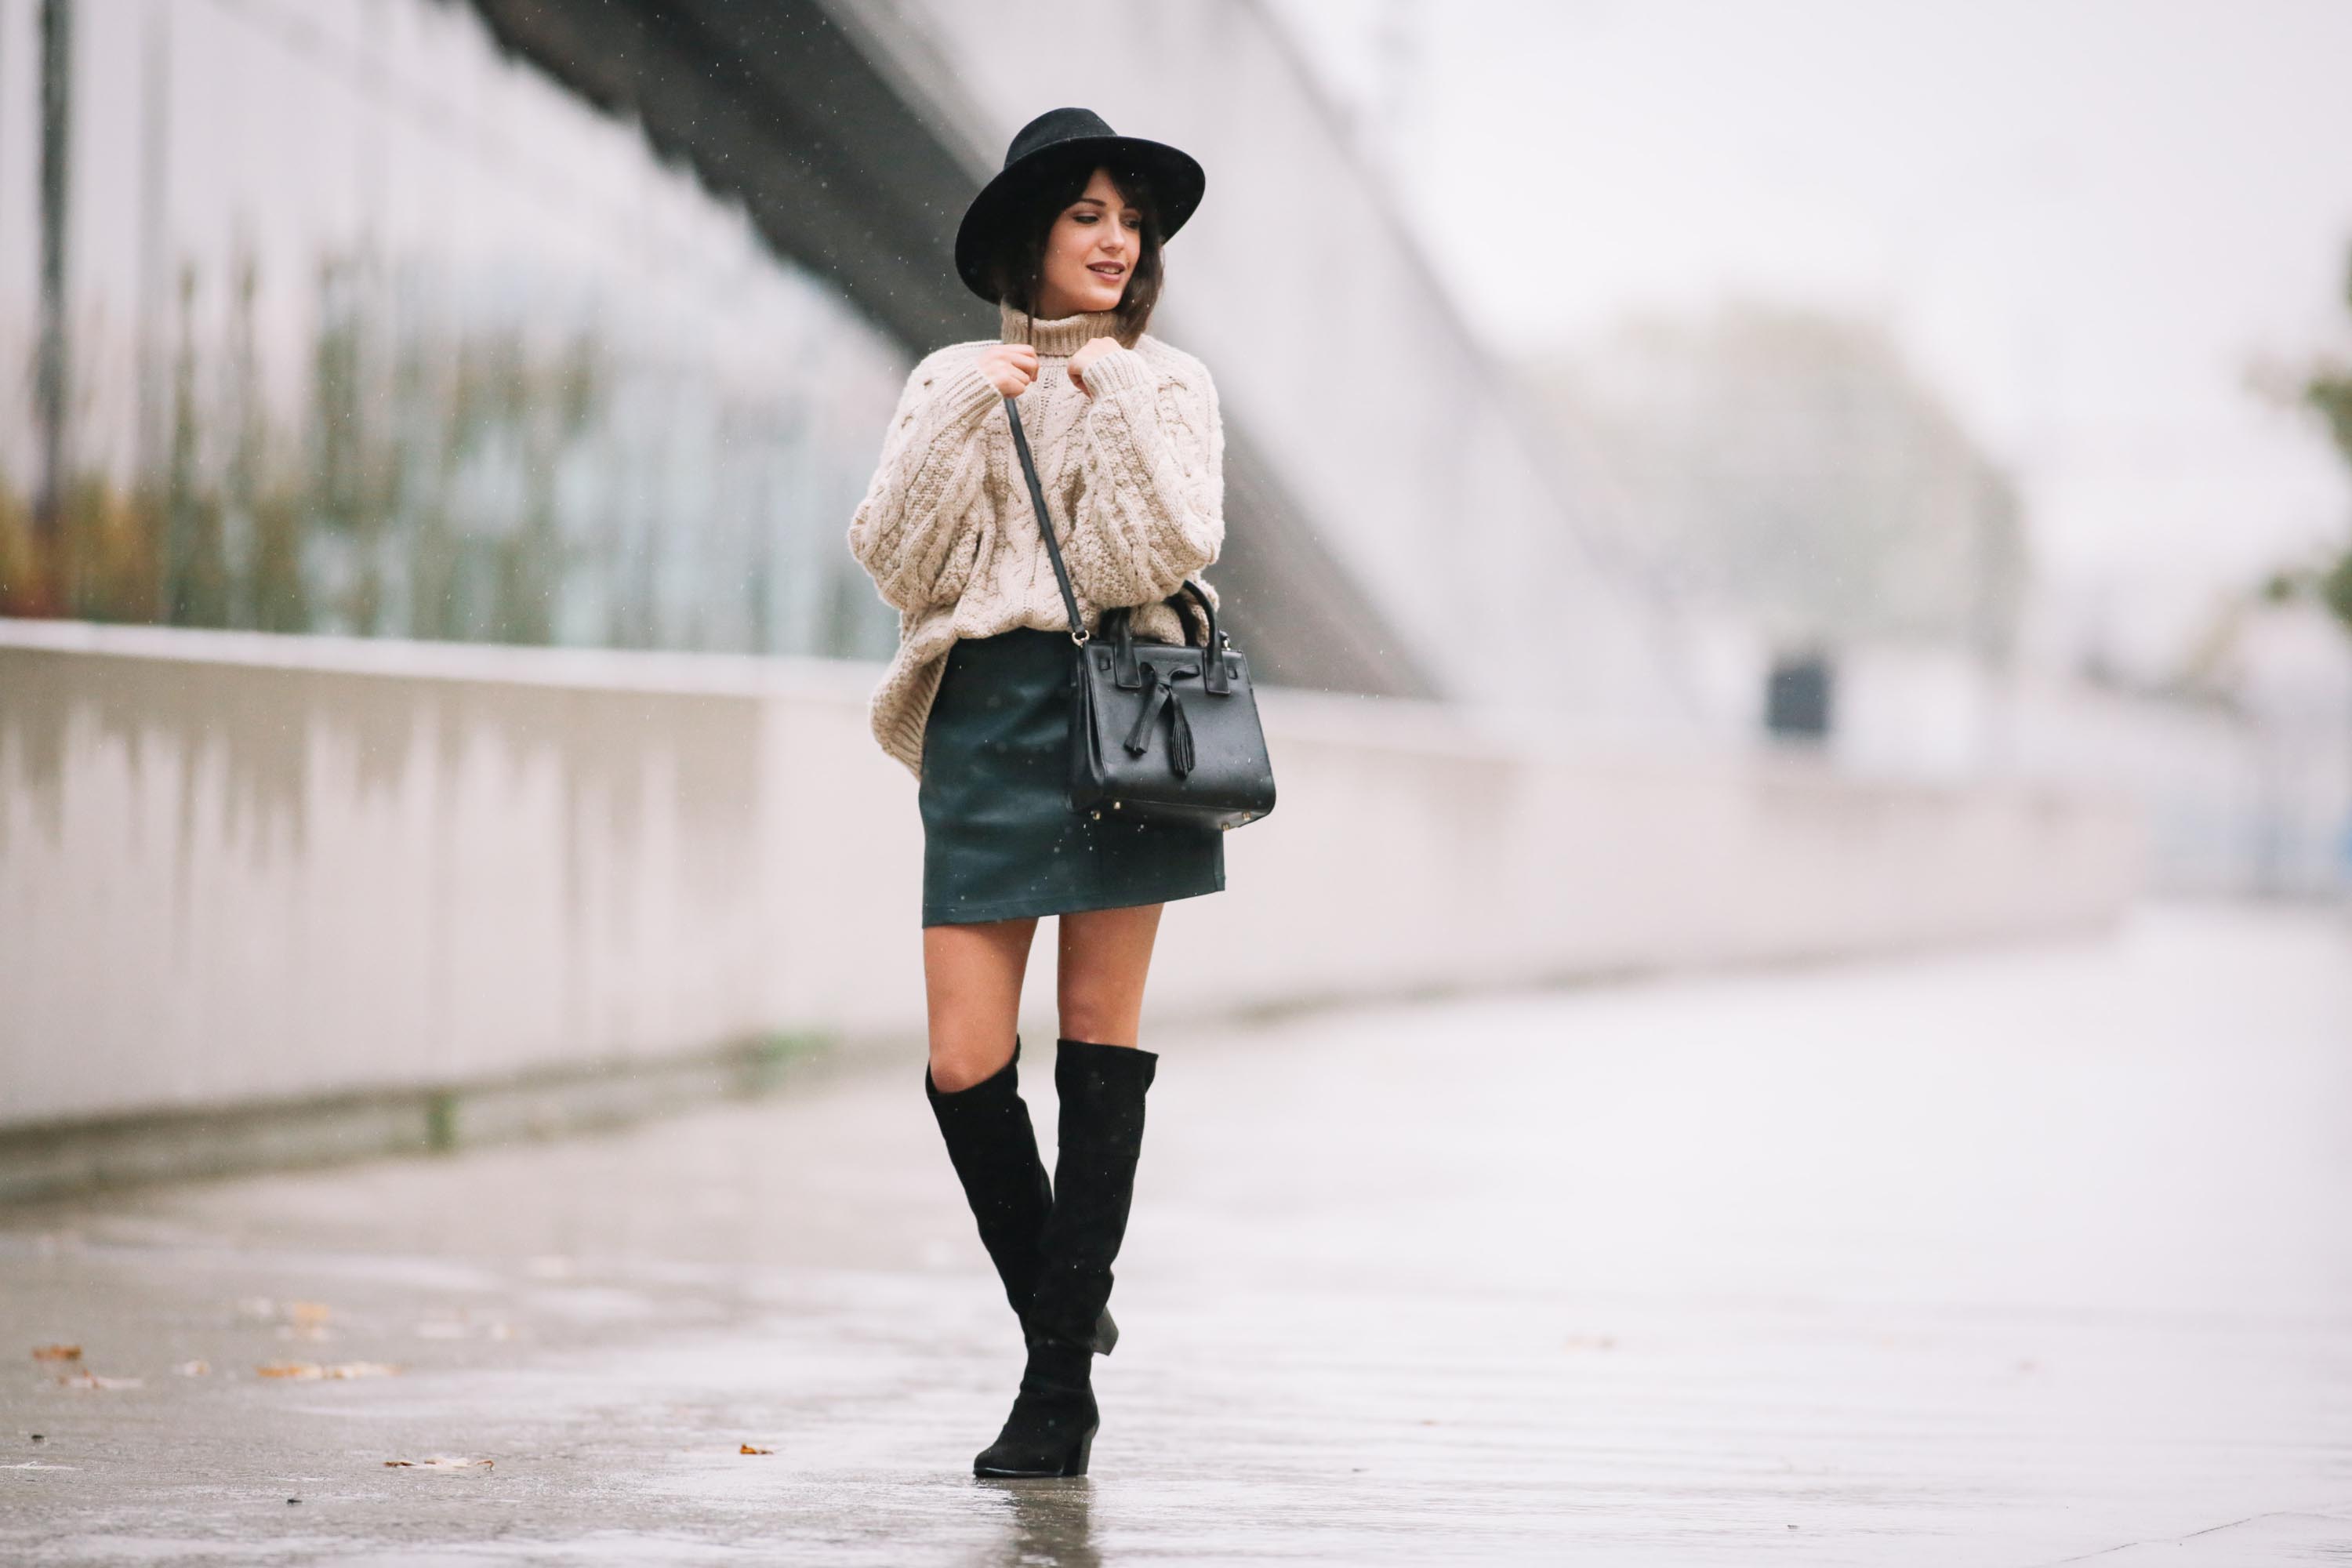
(1062, 335)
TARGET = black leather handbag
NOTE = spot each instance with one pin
(1164, 732)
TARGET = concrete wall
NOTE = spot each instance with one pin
(239, 868)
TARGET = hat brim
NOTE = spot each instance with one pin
(1177, 180)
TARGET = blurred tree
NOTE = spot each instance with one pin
(1790, 464)
(2326, 390)
(2329, 392)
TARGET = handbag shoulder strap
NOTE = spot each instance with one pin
(1045, 522)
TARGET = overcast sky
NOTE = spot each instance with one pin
(2083, 220)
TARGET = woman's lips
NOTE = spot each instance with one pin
(1103, 271)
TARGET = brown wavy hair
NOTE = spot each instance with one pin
(1017, 271)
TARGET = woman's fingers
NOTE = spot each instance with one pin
(1009, 367)
(1090, 350)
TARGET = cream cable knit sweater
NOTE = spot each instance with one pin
(1133, 469)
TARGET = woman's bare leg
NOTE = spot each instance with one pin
(971, 976)
(1104, 959)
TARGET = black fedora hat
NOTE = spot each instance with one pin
(1052, 141)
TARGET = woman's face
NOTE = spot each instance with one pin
(1090, 252)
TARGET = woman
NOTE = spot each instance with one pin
(1125, 431)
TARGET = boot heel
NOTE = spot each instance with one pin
(1073, 1462)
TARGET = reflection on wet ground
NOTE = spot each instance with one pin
(2021, 1257)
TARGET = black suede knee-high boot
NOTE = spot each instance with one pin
(1051, 1429)
(993, 1147)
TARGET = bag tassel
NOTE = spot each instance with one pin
(1179, 735)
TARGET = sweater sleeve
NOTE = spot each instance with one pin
(909, 531)
(1151, 510)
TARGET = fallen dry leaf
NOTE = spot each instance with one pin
(91, 1380)
(309, 1312)
(438, 1462)
(306, 1370)
(57, 1353)
(363, 1369)
(749, 1450)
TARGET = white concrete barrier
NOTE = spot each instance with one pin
(238, 869)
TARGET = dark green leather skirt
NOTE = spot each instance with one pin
(1000, 839)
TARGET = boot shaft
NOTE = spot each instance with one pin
(1102, 1089)
(993, 1145)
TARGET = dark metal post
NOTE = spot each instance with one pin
(49, 368)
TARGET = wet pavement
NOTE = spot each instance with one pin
(2025, 1256)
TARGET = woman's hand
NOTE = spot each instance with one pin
(1009, 367)
(1092, 350)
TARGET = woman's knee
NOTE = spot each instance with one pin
(973, 976)
(1107, 1015)
(959, 1064)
